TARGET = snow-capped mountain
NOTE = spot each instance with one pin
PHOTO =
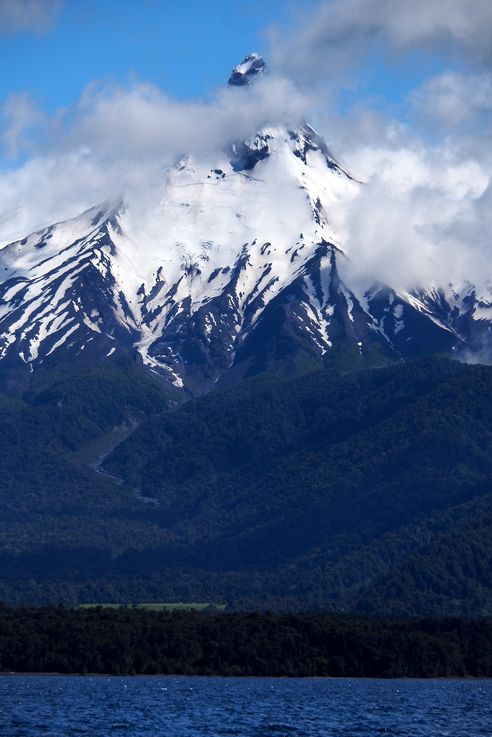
(238, 268)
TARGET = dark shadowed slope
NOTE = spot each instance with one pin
(363, 492)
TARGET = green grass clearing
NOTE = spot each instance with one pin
(158, 606)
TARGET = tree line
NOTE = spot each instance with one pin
(130, 640)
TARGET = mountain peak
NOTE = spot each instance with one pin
(243, 73)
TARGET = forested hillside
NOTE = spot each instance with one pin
(326, 487)
(361, 492)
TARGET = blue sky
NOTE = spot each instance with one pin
(186, 48)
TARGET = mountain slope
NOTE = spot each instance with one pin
(313, 492)
(51, 496)
(237, 266)
(350, 477)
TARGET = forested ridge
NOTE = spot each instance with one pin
(364, 492)
(136, 641)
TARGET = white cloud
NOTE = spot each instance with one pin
(452, 99)
(141, 120)
(28, 16)
(423, 216)
(117, 139)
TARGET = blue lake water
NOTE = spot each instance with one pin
(59, 706)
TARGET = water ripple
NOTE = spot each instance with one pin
(58, 706)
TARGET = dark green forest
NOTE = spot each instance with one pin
(367, 492)
(132, 641)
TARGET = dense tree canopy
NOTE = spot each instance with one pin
(127, 641)
(366, 492)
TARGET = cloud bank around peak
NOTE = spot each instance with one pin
(119, 138)
(423, 214)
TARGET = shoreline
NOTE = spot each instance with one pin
(17, 674)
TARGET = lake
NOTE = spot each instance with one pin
(66, 706)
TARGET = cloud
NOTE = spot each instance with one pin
(453, 99)
(118, 139)
(20, 114)
(340, 36)
(141, 120)
(28, 16)
(424, 213)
